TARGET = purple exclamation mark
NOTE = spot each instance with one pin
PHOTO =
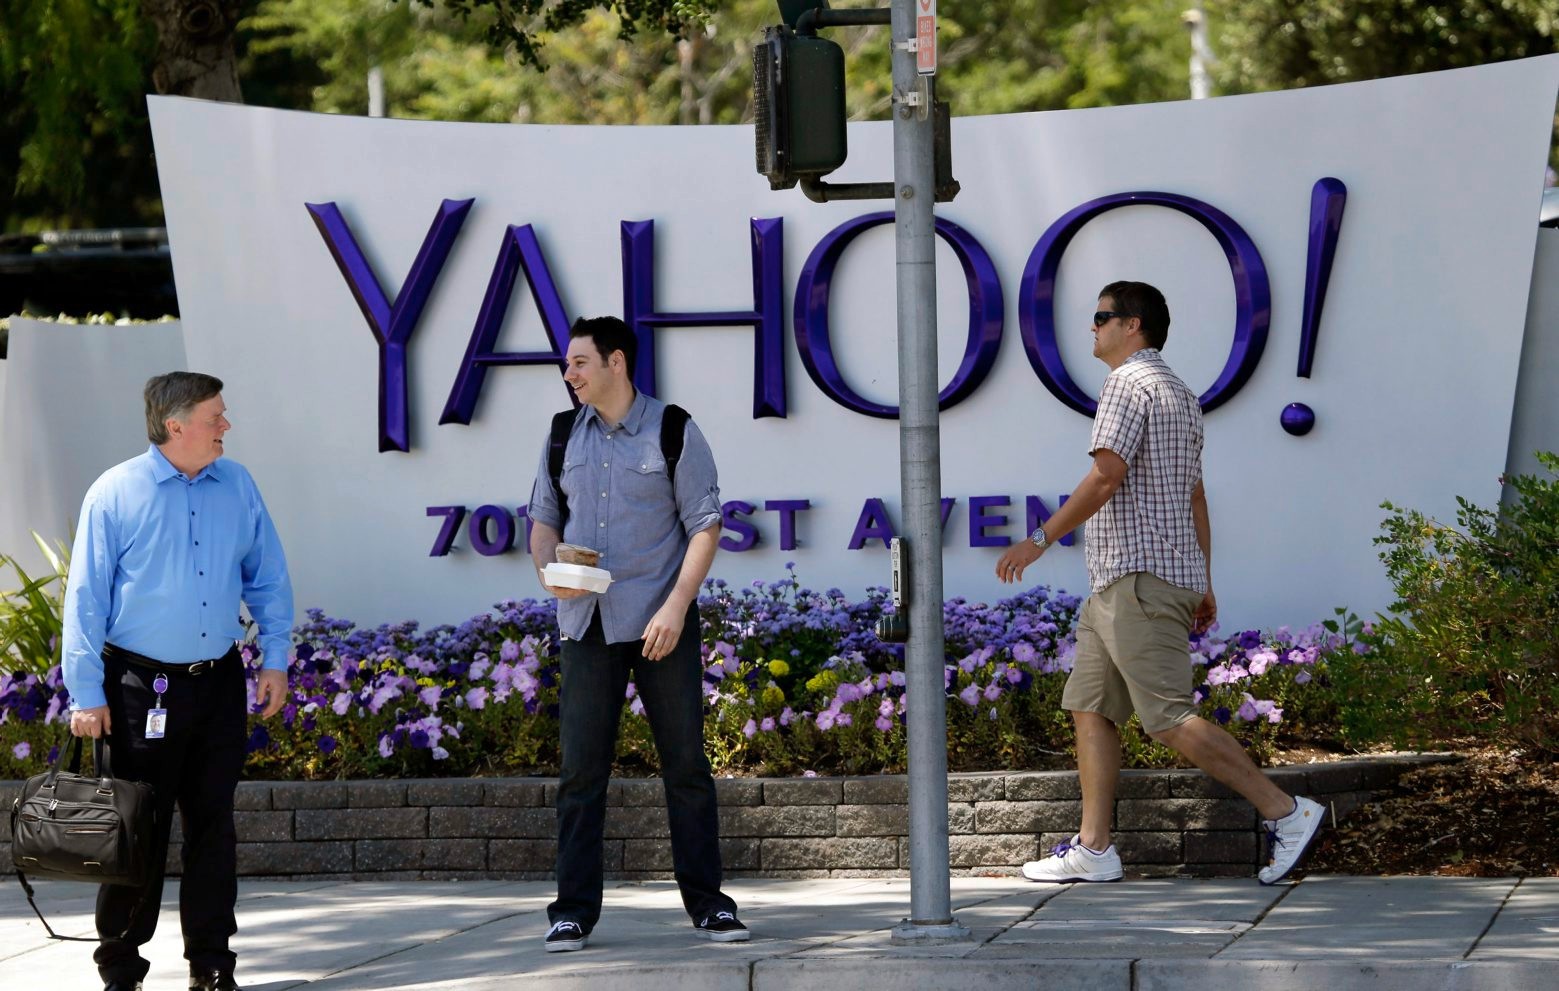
(1327, 199)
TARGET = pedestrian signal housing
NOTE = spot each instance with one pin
(798, 106)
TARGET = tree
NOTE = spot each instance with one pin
(1273, 44)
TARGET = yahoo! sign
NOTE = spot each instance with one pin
(392, 325)
(1236, 216)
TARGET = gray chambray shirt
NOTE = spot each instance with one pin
(621, 503)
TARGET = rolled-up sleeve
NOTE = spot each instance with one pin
(698, 483)
(267, 587)
(543, 507)
(88, 603)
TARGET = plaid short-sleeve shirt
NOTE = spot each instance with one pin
(1151, 419)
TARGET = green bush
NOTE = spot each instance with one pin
(31, 614)
(1471, 648)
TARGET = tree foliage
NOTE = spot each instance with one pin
(75, 149)
(1274, 44)
(72, 75)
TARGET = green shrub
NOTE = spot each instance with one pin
(1471, 647)
(31, 616)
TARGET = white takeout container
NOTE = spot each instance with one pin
(577, 576)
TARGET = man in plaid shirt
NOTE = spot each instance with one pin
(1148, 547)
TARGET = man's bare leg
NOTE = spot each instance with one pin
(1220, 755)
(1098, 769)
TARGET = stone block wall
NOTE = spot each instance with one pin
(1166, 822)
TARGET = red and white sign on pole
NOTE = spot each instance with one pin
(925, 37)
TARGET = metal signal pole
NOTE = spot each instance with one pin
(920, 471)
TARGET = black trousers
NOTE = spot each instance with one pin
(595, 680)
(194, 767)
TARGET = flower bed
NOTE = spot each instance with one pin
(795, 683)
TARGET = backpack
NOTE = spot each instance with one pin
(673, 425)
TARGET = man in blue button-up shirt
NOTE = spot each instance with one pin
(167, 546)
(657, 535)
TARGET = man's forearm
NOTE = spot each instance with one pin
(543, 547)
(1204, 529)
(700, 555)
(1091, 493)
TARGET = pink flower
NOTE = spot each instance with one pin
(884, 723)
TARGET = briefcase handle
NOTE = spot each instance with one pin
(100, 757)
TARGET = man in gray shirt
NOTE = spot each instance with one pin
(657, 528)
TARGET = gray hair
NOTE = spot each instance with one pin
(172, 396)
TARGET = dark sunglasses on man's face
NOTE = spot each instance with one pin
(1103, 317)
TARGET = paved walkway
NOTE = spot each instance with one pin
(1385, 934)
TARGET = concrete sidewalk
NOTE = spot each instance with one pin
(1385, 934)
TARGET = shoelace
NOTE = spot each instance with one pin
(1060, 849)
(565, 927)
(720, 917)
(1274, 839)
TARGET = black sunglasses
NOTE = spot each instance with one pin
(1103, 317)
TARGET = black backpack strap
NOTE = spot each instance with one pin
(673, 426)
(557, 446)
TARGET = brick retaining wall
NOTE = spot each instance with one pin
(1167, 823)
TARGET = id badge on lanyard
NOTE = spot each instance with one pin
(157, 716)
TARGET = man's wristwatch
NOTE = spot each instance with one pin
(1039, 539)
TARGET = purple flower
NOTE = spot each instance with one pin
(510, 651)
(259, 739)
(767, 725)
(970, 696)
(992, 692)
(22, 750)
(884, 723)
(751, 729)
(1221, 715)
(476, 698)
(386, 746)
(439, 753)
(327, 744)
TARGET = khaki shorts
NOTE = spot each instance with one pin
(1132, 653)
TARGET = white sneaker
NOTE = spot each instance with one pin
(1289, 838)
(1071, 861)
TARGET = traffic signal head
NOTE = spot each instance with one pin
(798, 104)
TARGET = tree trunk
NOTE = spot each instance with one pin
(195, 48)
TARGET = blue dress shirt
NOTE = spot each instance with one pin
(622, 503)
(159, 565)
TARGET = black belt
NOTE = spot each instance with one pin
(130, 657)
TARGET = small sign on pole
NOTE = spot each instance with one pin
(925, 37)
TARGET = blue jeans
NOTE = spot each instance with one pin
(594, 683)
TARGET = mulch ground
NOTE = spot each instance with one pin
(1492, 814)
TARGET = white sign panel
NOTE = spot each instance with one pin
(368, 286)
(925, 37)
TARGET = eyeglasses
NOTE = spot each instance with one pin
(1103, 317)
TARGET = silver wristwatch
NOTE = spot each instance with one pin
(1039, 539)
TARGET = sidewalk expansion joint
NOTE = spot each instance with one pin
(1494, 918)
(1260, 917)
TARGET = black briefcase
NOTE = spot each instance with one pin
(69, 827)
